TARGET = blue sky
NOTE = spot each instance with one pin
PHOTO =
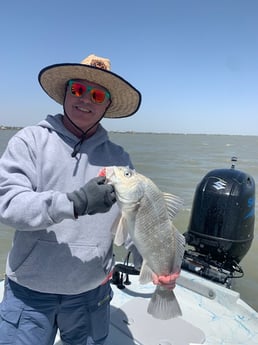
(194, 61)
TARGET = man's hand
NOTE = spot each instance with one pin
(94, 197)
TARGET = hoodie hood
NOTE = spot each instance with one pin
(99, 149)
(55, 123)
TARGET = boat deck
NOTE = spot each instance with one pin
(212, 314)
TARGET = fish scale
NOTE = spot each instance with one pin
(145, 235)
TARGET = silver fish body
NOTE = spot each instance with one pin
(146, 215)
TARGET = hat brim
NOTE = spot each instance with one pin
(125, 98)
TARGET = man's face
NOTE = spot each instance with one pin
(85, 103)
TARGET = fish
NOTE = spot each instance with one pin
(146, 216)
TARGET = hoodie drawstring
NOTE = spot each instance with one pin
(77, 146)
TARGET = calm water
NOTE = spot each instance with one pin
(177, 163)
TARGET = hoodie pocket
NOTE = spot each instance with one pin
(62, 268)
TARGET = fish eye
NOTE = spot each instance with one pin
(127, 173)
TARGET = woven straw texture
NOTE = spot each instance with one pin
(125, 98)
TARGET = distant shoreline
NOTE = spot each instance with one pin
(140, 132)
(3, 128)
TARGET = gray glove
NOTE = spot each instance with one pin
(94, 197)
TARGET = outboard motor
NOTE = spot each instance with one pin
(221, 227)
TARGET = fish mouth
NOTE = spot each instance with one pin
(109, 173)
(102, 172)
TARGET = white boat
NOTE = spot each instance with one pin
(212, 313)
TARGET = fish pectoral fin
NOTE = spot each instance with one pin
(163, 304)
(145, 274)
(121, 232)
(115, 225)
(174, 204)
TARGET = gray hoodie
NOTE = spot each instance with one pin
(52, 251)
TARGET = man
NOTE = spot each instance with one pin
(58, 267)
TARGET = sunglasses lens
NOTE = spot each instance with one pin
(98, 96)
(77, 89)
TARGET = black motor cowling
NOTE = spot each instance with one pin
(223, 214)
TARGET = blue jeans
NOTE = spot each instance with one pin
(29, 317)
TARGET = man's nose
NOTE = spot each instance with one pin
(86, 97)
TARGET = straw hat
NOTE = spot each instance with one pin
(125, 98)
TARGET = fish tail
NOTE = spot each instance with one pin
(163, 304)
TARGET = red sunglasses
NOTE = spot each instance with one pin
(97, 96)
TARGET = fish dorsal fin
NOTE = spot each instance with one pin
(174, 204)
(121, 231)
(179, 249)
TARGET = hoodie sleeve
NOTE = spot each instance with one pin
(21, 206)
